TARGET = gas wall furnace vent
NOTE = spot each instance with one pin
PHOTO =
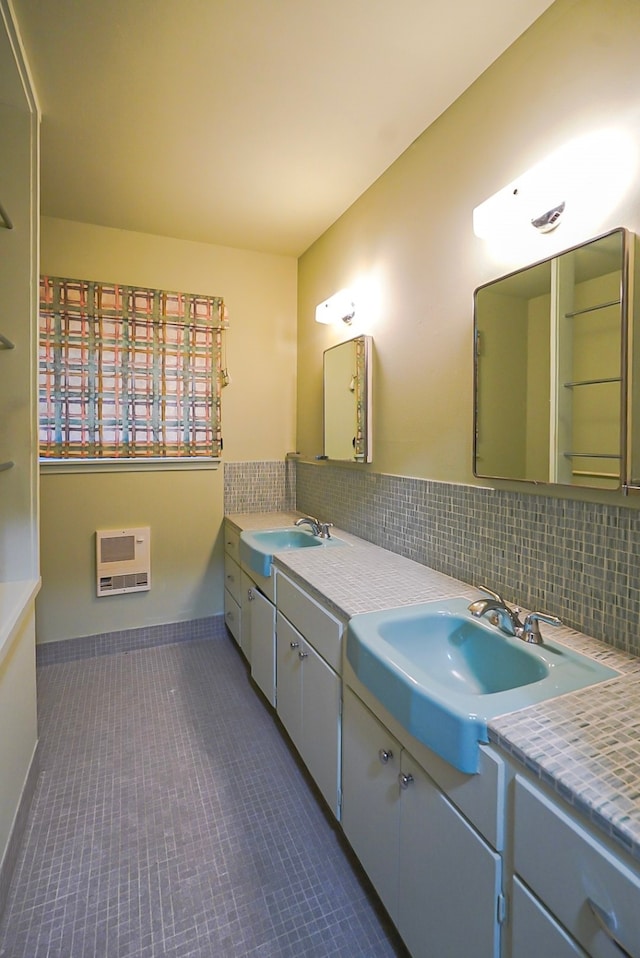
(123, 561)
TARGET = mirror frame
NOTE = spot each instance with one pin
(363, 440)
(628, 239)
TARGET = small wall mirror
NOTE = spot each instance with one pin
(347, 400)
(551, 369)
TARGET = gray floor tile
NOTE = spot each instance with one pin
(171, 819)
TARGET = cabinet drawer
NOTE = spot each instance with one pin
(573, 873)
(319, 627)
(535, 931)
(232, 615)
(232, 579)
(232, 542)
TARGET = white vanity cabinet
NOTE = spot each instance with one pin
(308, 642)
(573, 880)
(259, 618)
(439, 879)
(249, 612)
(371, 806)
(232, 582)
(534, 930)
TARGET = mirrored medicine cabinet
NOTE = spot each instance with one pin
(347, 400)
(553, 370)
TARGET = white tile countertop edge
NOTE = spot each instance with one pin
(15, 599)
(585, 745)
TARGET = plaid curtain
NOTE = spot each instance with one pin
(128, 372)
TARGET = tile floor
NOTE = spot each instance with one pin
(172, 820)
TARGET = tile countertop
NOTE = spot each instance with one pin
(585, 744)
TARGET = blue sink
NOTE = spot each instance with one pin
(258, 548)
(443, 674)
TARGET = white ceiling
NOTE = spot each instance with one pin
(247, 123)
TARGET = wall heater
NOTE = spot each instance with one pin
(123, 561)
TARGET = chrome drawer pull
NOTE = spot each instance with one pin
(607, 922)
(294, 645)
(385, 754)
(405, 780)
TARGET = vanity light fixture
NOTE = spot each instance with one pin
(339, 307)
(581, 182)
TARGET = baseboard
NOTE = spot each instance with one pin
(128, 640)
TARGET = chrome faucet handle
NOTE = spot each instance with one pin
(515, 612)
(494, 595)
(305, 519)
(324, 529)
(507, 619)
(531, 628)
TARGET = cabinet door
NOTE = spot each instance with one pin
(247, 587)
(289, 644)
(450, 879)
(263, 645)
(321, 724)
(371, 797)
(534, 932)
(232, 615)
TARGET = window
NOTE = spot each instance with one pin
(127, 372)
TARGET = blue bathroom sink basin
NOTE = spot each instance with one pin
(443, 674)
(258, 548)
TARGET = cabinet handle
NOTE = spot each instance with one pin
(250, 595)
(384, 755)
(405, 780)
(230, 616)
(6, 343)
(608, 924)
(303, 655)
(230, 576)
(294, 645)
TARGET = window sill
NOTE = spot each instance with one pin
(68, 466)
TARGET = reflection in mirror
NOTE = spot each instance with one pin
(550, 369)
(347, 400)
(633, 453)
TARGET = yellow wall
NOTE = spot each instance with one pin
(411, 233)
(183, 508)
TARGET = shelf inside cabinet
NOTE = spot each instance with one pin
(593, 309)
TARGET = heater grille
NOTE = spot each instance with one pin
(123, 561)
(117, 548)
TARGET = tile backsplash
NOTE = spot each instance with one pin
(268, 486)
(578, 560)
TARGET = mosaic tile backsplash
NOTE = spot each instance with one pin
(260, 486)
(575, 559)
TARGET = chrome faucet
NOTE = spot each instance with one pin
(309, 521)
(318, 528)
(500, 614)
(531, 629)
(508, 620)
